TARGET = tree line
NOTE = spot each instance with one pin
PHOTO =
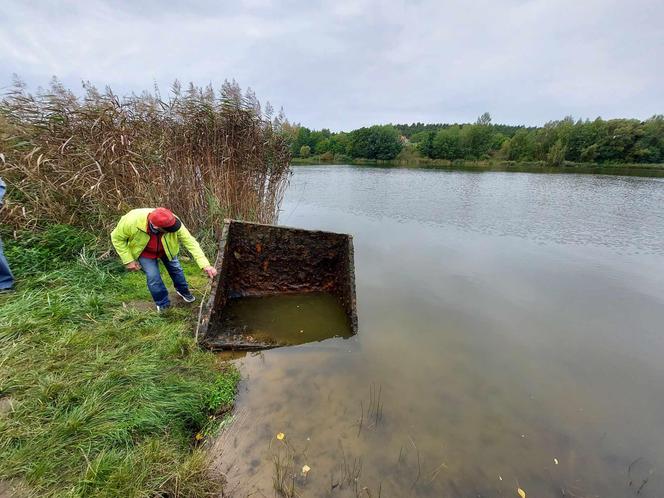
(593, 141)
(375, 142)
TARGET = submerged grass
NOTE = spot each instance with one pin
(105, 397)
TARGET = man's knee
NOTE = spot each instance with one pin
(154, 278)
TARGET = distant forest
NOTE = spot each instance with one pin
(596, 141)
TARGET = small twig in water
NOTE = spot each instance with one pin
(419, 466)
(437, 471)
(645, 481)
(361, 418)
(200, 311)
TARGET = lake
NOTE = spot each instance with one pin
(511, 335)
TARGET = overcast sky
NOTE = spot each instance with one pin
(348, 63)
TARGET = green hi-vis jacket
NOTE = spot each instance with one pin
(130, 237)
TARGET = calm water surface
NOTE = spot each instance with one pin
(287, 319)
(511, 335)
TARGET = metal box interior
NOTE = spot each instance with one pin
(263, 260)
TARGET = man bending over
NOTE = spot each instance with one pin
(144, 236)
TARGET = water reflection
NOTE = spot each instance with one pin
(512, 323)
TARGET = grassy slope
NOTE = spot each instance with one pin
(107, 398)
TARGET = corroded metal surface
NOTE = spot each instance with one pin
(262, 260)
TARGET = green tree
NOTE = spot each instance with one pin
(316, 137)
(584, 138)
(305, 151)
(556, 154)
(447, 143)
(649, 147)
(521, 146)
(340, 143)
(377, 142)
(424, 141)
(616, 140)
(497, 140)
(617, 145)
(484, 119)
(475, 140)
(323, 146)
(303, 137)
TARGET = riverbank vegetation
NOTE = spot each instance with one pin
(101, 397)
(84, 161)
(600, 142)
(99, 394)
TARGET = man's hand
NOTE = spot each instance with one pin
(211, 271)
(133, 266)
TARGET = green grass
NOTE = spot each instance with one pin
(107, 396)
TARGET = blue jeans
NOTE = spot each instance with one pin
(6, 277)
(156, 284)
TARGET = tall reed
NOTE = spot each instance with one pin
(83, 161)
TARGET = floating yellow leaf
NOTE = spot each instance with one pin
(280, 436)
(521, 492)
(305, 469)
(199, 436)
(555, 460)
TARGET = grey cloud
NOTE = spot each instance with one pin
(350, 63)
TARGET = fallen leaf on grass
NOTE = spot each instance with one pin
(280, 436)
(521, 492)
(199, 436)
(305, 469)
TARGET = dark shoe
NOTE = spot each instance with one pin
(161, 309)
(188, 297)
(7, 290)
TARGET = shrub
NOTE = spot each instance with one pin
(305, 151)
(33, 252)
(556, 155)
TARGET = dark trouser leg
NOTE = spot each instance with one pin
(177, 274)
(6, 277)
(155, 283)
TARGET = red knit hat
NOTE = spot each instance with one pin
(164, 218)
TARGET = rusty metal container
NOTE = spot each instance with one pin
(264, 260)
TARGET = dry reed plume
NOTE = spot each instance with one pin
(84, 160)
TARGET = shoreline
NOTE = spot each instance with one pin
(632, 169)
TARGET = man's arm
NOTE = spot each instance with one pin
(194, 248)
(192, 245)
(120, 240)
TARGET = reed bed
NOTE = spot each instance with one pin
(84, 160)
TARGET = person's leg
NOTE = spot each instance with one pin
(6, 277)
(155, 283)
(176, 273)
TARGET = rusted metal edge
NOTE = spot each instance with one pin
(351, 283)
(209, 305)
(228, 221)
